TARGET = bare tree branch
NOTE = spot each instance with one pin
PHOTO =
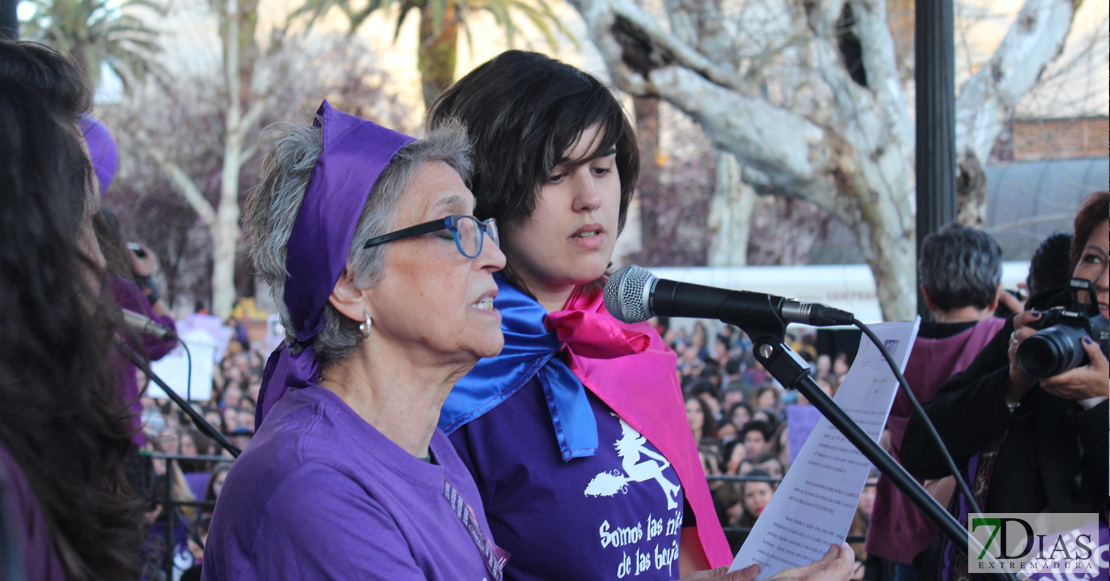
(786, 147)
(700, 24)
(189, 189)
(986, 101)
(881, 62)
(823, 16)
(676, 49)
(254, 114)
(248, 153)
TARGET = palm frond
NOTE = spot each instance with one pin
(540, 22)
(356, 18)
(552, 16)
(406, 6)
(466, 32)
(96, 31)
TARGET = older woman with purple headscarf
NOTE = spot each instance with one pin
(384, 282)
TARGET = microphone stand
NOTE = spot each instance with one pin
(768, 333)
(198, 420)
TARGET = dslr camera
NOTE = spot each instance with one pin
(1058, 345)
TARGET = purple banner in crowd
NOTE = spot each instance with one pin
(801, 419)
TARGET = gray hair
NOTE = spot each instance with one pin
(960, 267)
(271, 210)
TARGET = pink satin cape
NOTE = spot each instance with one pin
(642, 387)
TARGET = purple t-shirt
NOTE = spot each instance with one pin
(130, 297)
(26, 520)
(321, 494)
(615, 515)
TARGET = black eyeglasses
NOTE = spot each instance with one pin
(469, 233)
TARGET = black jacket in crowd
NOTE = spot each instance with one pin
(1054, 456)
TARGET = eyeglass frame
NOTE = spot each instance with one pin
(448, 223)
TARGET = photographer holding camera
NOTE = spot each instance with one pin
(1028, 425)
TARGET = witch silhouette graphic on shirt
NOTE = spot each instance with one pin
(640, 464)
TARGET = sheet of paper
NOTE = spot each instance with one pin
(174, 368)
(814, 505)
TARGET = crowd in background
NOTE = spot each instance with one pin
(72, 462)
(737, 412)
(739, 416)
(193, 484)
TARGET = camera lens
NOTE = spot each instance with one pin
(1052, 351)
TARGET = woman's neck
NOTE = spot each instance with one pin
(553, 301)
(967, 314)
(398, 390)
(553, 296)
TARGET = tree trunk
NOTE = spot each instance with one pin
(437, 54)
(971, 192)
(225, 234)
(648, 187)
(987, 100)
(730, 214)
(224, 239)
(888, 254)
(857, 162)
(902, 25)
(248, 49)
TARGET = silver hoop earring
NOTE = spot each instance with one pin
(364, 327)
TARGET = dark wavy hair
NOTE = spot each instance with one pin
(523, 111)
(117, 257)
(1048, 267)
(1094, 210)
(709, 422)
(63, 419)
(747, 519)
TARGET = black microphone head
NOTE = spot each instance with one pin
(626, 294)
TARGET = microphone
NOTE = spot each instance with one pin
(632, 294)
(143, 325)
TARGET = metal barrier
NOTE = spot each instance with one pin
(171, 508)
(737, 535)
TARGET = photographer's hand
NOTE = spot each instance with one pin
(1091, 380)
(1019, 382)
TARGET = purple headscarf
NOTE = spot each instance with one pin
(102, 150)
(355, 153)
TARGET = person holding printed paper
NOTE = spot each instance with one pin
(1025, 445)
(576, 434)
(384, 283)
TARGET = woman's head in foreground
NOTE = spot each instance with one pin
(70, 435)
(419, 290)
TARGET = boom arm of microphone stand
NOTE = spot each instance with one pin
(198, 420)
(789, 370)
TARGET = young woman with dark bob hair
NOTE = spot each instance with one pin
(576, 433)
